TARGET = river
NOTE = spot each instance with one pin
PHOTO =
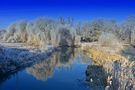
(64, 70)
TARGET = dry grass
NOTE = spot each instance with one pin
(116, 67)
(100, 56)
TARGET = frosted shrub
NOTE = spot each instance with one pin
(10, 32)
(40, 30)
(108, 39)
(21, 31)
(16, 32)
(33, 34)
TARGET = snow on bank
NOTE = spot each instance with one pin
(16, 55)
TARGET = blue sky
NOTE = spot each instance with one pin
(80, 10)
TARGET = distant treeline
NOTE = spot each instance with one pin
(64, 31)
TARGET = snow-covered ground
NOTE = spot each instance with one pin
(17, 55)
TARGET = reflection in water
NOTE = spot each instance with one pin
(96, 75)
(64, 58)
(115, 75)
(110, 71)
(65, 67)
(42, 70)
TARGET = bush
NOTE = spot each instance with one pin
(16, 32)
(108, 40)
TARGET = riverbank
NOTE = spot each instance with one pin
(109, 71)
(17, 55)
(14, 56)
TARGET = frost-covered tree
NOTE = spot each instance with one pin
(16, 32)
(42, 32)
(2, 32)
(92, 30)
(128, 28)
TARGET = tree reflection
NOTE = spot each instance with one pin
(64, 58)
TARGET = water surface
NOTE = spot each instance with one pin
(64, 70)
